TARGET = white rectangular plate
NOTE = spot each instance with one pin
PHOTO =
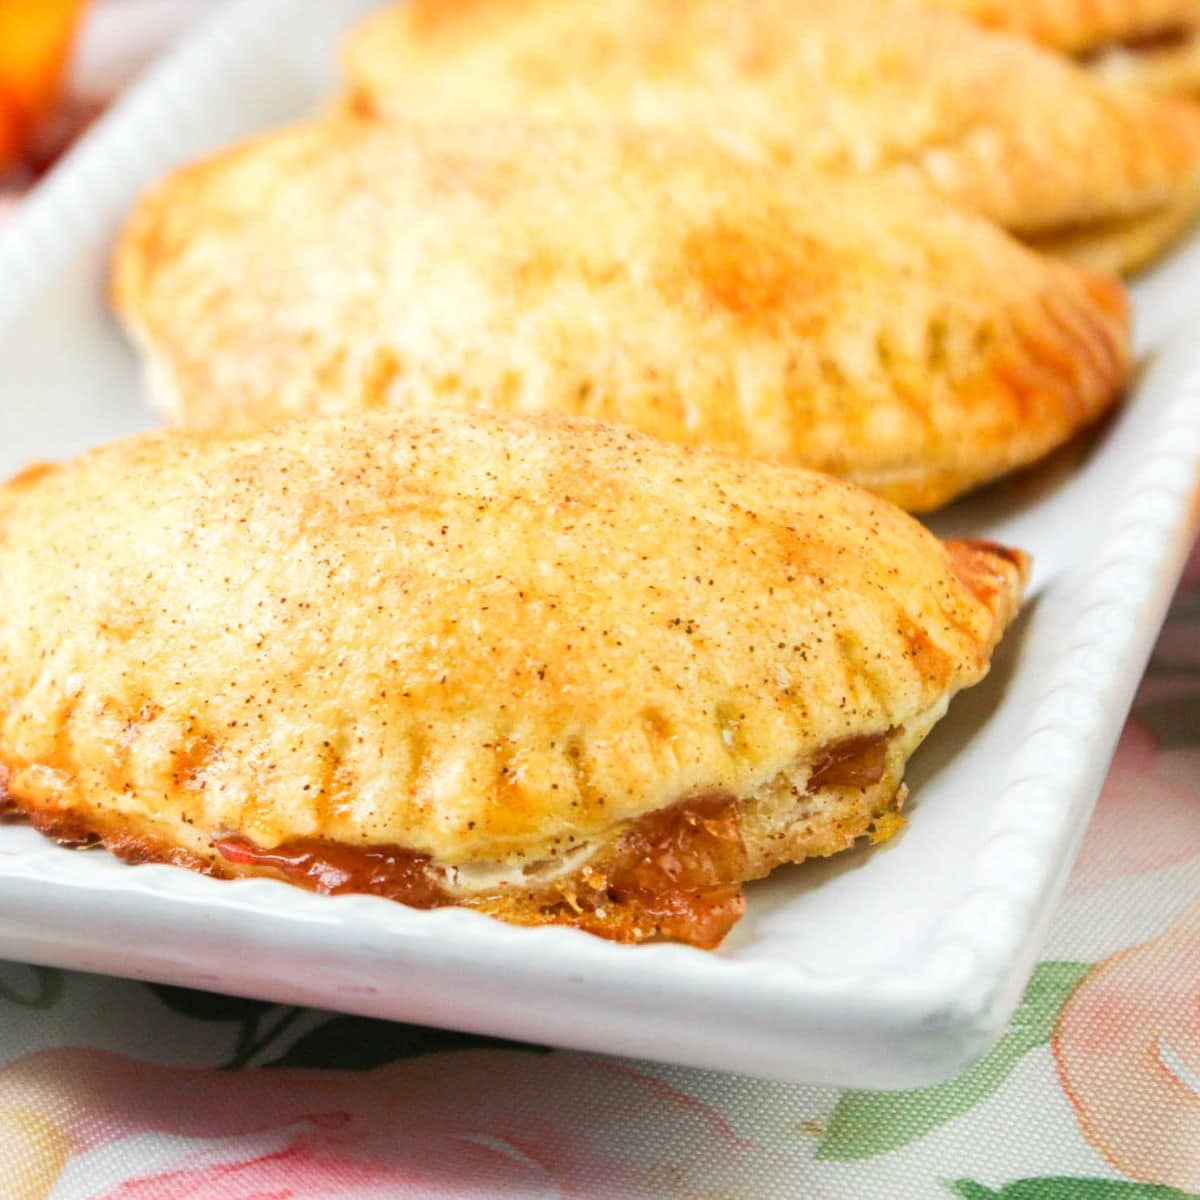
(892, 966)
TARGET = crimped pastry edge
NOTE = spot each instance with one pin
(810, 825)
(1125, 244)
(1098, 363)
(834, 817)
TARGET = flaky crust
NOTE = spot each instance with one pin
(1021, 135)
(864, 328)
(487, 640)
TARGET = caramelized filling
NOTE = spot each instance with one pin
(674, 874)
(856, 762)
(680, 870)
(334, 869)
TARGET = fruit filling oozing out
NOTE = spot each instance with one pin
(675, 873)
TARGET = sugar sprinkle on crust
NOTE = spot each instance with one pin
(481, 641)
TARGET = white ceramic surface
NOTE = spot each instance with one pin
(892, 966)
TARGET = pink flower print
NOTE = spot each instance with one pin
(465, 1124)
(308, 1171)
(1147, 815)
(1128, 1053)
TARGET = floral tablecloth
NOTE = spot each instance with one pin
(126, 1091)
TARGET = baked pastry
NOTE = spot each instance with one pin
(1170, 65)
(863, 328)
(1022, 136)
(540, 667)
(1147, 43)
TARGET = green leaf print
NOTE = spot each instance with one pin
(359, 1043)
(1063, 1187)
(864, 1124)
(45, 993)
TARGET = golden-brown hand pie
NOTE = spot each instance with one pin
(865, 328)
(1148, 43)
(1023, 136)
(542, 667)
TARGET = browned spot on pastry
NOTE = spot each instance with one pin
(761, 280)
(31, 474)
(425, 16)
(191, 761)
(986, 567)
(996, 550)
(922, 651)
(385, 368)
(658, 729)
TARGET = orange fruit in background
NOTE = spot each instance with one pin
(11, 124)
(35, 42)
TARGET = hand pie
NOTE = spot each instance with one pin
(862, 85)
(863, 328)
(540, 667)
(1147, 43)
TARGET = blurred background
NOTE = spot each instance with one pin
(61, 62)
